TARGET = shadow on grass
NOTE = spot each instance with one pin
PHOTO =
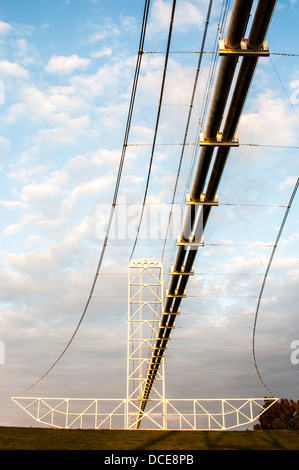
(163, 438)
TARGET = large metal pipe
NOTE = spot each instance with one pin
(257, 34)
(237, 24)
(260, 24)
(235, 32)
(256, 37)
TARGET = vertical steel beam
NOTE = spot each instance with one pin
(145, 304)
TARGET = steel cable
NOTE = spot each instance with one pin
(157, 124)
(264, 282)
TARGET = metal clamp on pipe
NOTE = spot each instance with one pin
(243, 50)
(202, 201)
(190, 242)
(166, 314)
(218, 142)
(176, 295)
(182, 272)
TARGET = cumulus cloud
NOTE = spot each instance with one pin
(51, 107)
(32, 103)
(5, 28)
(268, 115)
(66, 65)
(187, 12)
(288, 182)
(13, 70)
(101, 32)
(105, 51)
(69, 132)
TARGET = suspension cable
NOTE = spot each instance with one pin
(157, 124)
(264, 282)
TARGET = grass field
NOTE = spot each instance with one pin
(62, 439)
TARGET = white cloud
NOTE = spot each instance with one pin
(104, 81)
(4, 143)
(25, 175)
(51, 107)
(288, 182)
(5, 28)
(90, 188)
(105, 51)
(25, 220)
(43, 194)
(9, 69)
(26, 53)
(32, 104)
(66, 65)
(69, 132)
(186, 13)
(103, 33)
(128, 23)
(11, 204)
(33, 241)
(268, 116)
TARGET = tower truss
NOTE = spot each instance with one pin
(145, 305)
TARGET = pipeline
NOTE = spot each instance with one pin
(185, 258)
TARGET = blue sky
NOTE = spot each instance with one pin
(67, 69)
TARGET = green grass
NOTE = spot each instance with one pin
(63, 439)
